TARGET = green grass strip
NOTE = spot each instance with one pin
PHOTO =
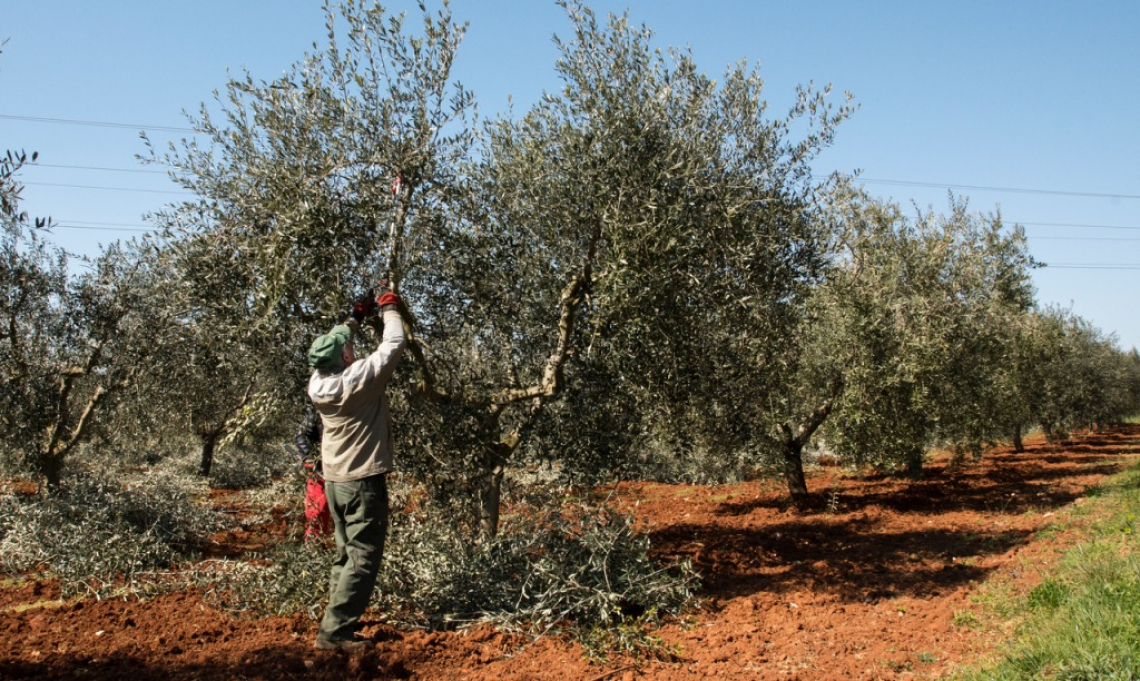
(1083, 621)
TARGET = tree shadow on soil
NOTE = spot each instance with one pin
(283, 662)
(852, 561)
(1030, 485)
(1020, 491)
(834, 545)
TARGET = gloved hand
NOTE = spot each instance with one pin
(364, 306)
(385, 298)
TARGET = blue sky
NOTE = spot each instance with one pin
(1027, 106)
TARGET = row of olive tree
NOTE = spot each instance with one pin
(921, 332)
(1072, 375)
(905, 341)
(643, 260)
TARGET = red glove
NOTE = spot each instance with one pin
(363, 307)
(386, 299)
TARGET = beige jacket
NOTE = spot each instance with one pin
(357, 440)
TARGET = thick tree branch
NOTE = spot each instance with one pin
(553, 376)
(396, 230)
(799, 436)
(228, 419)
(513, 439)
(83, 425)
(426, 385)
(13, 334)
(813, 421)
(68, 378)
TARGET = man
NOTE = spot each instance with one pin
(356, 453)
(307, 449)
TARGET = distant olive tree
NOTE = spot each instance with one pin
(66, 340)
(1082, 379)
(930, 332)
(213, 375)
(901, 343)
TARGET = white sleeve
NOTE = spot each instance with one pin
(374, 371)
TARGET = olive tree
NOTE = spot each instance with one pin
(902, 342)
(611, 224)
(67, 341)
(929, 333)
(307, 190)
(307, 184)
(33, 273)
(213, 374)
(573, 234)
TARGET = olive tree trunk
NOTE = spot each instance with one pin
(209, 440)
(792, 441)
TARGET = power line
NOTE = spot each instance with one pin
(867, 180)
(1082, 238)
(142, 227)
(98, 229)
(160, 172)
(129, 227)
(114, 170)
(1068, 266)
(105, 224)
(95, 124)
(1069, 224)
(114, 189)
(1014, 190)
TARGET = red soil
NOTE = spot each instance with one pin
(872, 581)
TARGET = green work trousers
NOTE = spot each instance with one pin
(360, 521)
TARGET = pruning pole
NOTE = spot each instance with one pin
(396, 231)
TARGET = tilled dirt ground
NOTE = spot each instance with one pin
(874, 579)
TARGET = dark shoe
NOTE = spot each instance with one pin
(347, 645)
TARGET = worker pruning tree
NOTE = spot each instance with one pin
(306, 189)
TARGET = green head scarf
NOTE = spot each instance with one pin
(325, 352)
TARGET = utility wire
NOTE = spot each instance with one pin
(160, 172)
(1081, 238)
(113, 170)
(134, 227)
(867, 180)
(104, 224)
(95, 124)
(1125, 267)
(64, 225)
(1068, 224)
(126, 227)
(1015, 190)
(114, 189)
(1051, 266)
